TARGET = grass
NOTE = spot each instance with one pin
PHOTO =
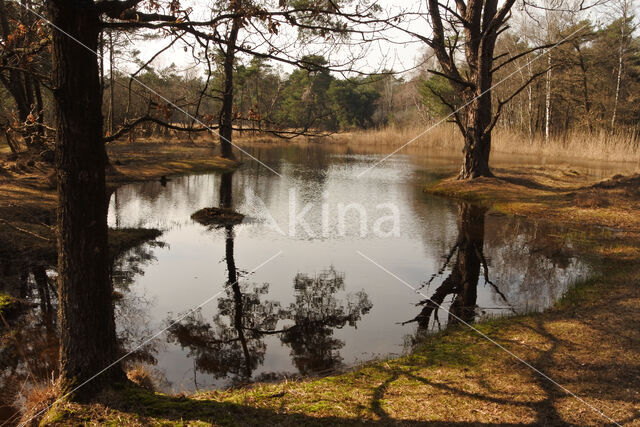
(144, 161)
(599, 146)
(571, 197)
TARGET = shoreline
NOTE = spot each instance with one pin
(28, 199)
(454, 376)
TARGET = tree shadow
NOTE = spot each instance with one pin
(531, 184)
(148, 406)
(467, 263)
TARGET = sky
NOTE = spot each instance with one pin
(401, 53)
(398, 51)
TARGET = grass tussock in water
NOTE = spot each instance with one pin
(217, 217)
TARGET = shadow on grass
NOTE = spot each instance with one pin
(147, 408)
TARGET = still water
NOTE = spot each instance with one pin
(320, 274)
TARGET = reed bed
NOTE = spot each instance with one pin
(602, 146)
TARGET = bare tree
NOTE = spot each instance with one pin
(463, 37)
(623, 6)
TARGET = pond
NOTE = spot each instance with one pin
(334, 263)
(331, 266)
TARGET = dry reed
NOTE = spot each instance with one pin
(605, 146)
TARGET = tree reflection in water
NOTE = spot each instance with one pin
(232, 344)
(316, 313)
(462, 283)
(29, 339)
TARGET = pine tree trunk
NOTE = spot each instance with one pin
(112, 111)
(86, 319)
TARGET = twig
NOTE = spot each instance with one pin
(3, 221)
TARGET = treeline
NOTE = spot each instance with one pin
(264, 98)
(589, 82)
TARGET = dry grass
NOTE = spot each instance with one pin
(567, 196)
(143, 161)
(619, 147)
(142, 376)
(35, 398)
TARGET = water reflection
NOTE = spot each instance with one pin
(29, 335)
(232, 345)
(523, 255)
(316, 314)
(462, 280)
(29, 340)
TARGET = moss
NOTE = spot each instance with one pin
(8, 304)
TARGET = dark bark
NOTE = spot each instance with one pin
(480, 22)
(477, 142)
(86, 319)
(226, 181)
(226, 112)
(39, 107)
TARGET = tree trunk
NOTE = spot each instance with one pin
(620, 63)
(112, 112)
(86, 319)
(547, 104)
(226, 113)
(477, 138)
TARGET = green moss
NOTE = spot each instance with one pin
(8, 304)
(57, 414)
